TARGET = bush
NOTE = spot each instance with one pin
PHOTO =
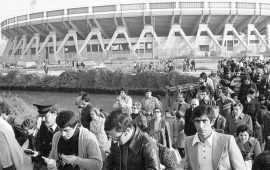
(18, 106)
(98, 79)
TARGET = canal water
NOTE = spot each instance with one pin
(67, 100)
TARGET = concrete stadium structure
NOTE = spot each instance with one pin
(141, 29)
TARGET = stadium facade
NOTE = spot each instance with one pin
(141, 29)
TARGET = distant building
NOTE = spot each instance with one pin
(143, 29)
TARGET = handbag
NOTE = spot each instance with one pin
(176, 155)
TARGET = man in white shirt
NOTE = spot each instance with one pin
(11, 154)
(209, 150)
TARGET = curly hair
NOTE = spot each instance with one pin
(4, 108)
(118, 120)
(241, 129)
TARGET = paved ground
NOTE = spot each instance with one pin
(203, 65)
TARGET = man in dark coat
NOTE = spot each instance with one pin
(43, 141)
(190, 128)
(251, 105)
(262, 161)
(137, 150)
(85, 113)
(245, 86)
(265, 84)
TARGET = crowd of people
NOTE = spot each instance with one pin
(159, 66)
(189, 65)
(225, 125)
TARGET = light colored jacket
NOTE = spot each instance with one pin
(148, 105)
(11, 152)
(225, 153)
(183, 107)
(178, 133)
(88, 150)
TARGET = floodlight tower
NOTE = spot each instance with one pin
(33, 6)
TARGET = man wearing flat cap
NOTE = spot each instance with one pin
(48, 127)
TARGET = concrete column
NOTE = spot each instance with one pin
(251, 27)
(268, 34)
(20, 43)
(119, 30)
(35, 38)
(52, 35)
(94, 31)
(147, 29)
(8, 47)
(204, 27)
(174, 29)
(15, 43)
(249, 30)
(71, 33)
(229, 27)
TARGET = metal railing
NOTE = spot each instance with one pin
(37, 15)
(265, 6)
(77, 10)
(169, 5)
(11, 20)
(4, 23)
(244, 5)
(191, 5)
(55, 13)
(104, 8)
(136, 6)
(126, 7)
(219, 5)
(22, 18)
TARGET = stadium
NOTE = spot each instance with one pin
(139, 30)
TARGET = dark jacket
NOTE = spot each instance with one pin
(163, 136)
(140, 121)
(266, 124)
(250, 108)
(15, 123)
(220, 123)
(225, 107)
(262, 161)
(43, 143)
(265, 85)
(142, 154)
(86, 117)
(244, 90)
(189, 128)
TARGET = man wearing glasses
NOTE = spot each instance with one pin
(209, 150)
(135, 149)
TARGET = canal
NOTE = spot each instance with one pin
(66, 101)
